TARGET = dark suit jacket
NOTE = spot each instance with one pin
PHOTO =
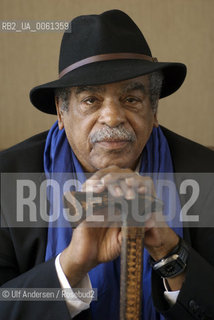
(22, 250)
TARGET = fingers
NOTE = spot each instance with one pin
(119, 182)
(155, 220)
(104, 177)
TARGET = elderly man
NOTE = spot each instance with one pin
(106, 101)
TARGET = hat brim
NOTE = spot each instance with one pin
(104, 72)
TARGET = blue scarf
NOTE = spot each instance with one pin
(59, 158)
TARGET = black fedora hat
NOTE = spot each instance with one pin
(102, 49)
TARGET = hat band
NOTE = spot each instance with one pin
(106, 57)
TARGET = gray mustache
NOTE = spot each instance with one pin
(117, 133)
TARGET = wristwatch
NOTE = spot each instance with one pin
(173, 263)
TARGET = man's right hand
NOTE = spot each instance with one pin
(89, 247)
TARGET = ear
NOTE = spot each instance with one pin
(59, 114)
(155, 123)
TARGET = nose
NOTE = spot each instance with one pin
(112, 113)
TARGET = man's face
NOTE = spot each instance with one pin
(108, 124)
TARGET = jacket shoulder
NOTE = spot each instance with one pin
(187, 155)
(26, 156)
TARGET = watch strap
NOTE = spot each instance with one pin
(174, 262)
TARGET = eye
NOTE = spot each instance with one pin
(132, 100)
(90, 100)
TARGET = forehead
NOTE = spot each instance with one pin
(138, 83)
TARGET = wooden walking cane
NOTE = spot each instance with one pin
(132, 244)
(132, 260)
(131, 273)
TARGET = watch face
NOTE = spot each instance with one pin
(172, 268)
(169, 269)
(172, 265)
